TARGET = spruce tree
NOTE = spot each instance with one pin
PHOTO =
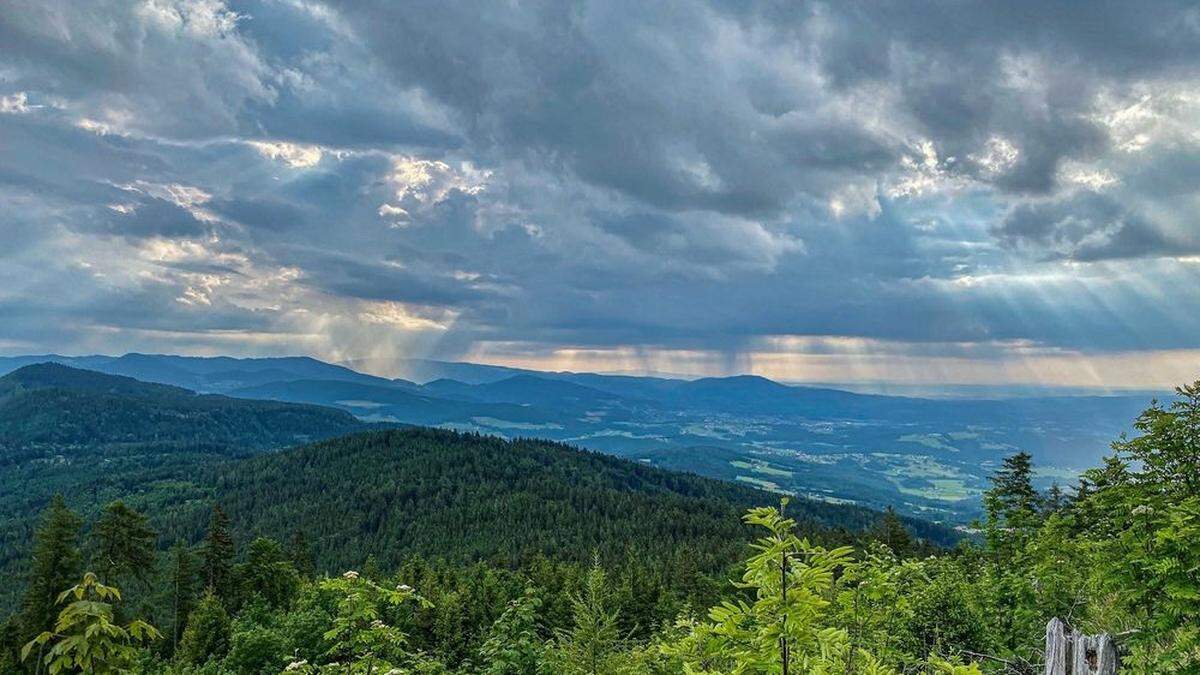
(1056, 500)
(218, 555)
(301, 554)
(57, 565)
(1013, 505)
(183, 589)
(891, 532)
(267, 573)
(125, 543)
(593, 644)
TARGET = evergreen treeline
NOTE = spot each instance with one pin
(467, 497)
(96, 437)
(1118, 553)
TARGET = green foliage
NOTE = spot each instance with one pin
(513, 645)
(208, 632)
(57, 562)
(217, 555)
(124, 543)
(593, 645)
(85, 638)
(786, 624)
(360, 638)
(255, 646)
(267, 574)
(1148, 495)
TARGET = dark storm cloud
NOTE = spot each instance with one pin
(1089, 227)
(682, 173)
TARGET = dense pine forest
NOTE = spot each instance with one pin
(417, 551)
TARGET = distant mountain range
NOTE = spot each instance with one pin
(172, 453)
(927, 457)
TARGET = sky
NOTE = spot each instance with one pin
(910, 192)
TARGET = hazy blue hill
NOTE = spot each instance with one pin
(11, 363)
(393, 402)
(454, 389)
(628, 386)
(426, 370)
(57, 376)
(52, 404)
(547, 393)
(217, 374)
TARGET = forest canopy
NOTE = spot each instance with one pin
(1116, 553)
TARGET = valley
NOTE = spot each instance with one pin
(930, 458)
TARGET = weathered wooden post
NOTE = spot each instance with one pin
(1074, 653)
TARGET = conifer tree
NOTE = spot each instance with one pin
(267, 573)
(218, 555)
(183, 589)
(891, 532)
(207, 633)
(57, 564)
(301, 554)
(125, 543)
(593, 644)
(1056, 500)
(1012, 504)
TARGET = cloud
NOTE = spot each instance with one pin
(368, 178)
(1088, 227)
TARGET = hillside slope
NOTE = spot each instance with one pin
(52, 404)
(390, 494)
(95, 437)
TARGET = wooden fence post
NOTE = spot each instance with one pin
(1073, 653)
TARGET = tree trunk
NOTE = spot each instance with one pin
(1073, 653)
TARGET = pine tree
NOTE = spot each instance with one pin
(592, 645)
(301, 554)
(125, 543)
(218, 555)
(267, 573)
(183, 589)
(891, 532)
(1056, 500)
(1013, 506)
(57, 564)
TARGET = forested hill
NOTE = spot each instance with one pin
(52, 404)
(390, 494)
(94, 437)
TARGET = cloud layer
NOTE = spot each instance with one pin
(756, 183)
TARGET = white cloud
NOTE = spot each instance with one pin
(997, 157)
(430, 181)
(297, 156)
(15, 104)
